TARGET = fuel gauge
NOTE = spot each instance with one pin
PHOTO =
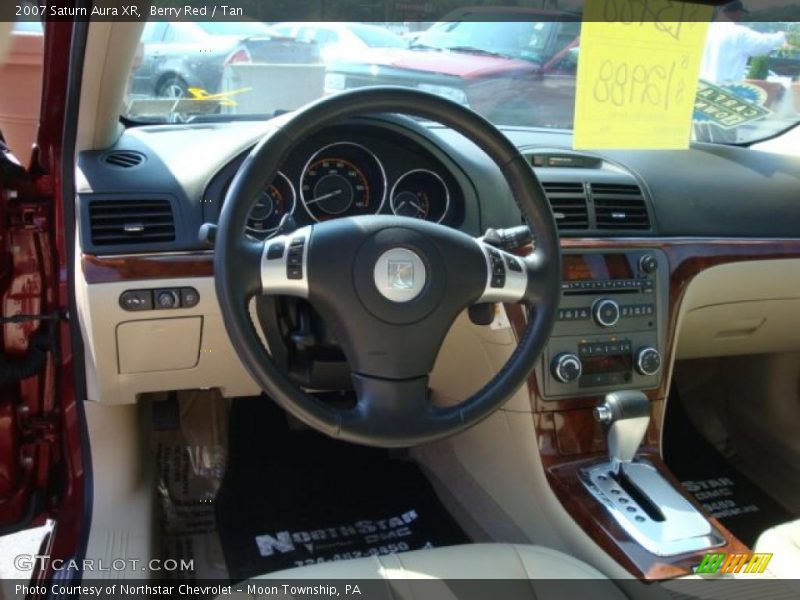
(420, 194)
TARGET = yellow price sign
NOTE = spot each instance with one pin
(637, 73)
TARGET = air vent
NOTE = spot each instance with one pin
(620, 206)
(568, 202)
(120, 222)
(123, 159)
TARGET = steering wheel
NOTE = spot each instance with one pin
(388, 287)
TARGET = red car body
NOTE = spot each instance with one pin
(43, 462)
(515, 91)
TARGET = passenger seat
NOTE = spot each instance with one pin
(783, 541)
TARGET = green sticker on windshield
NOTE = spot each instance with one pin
(729, 106)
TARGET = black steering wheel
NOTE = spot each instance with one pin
(388, 287)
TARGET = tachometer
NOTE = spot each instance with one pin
(420, 194)
(342, 179)
(274, 202)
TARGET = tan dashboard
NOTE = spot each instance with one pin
(725, 297)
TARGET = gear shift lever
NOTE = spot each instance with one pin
(639, 499)
(626, 415)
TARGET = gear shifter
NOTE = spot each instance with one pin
(626, 415)
(637, 496)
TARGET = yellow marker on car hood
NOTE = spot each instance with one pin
(637, 73)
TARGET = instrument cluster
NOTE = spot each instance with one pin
(345, 179)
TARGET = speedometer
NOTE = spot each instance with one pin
(342, 179)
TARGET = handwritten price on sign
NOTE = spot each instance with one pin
(623, 84)
(663, 16)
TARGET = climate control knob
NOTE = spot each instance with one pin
(648, 361)
(566, 367)
(605, 312)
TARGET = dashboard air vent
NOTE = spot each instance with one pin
(123, 159)
(117, 222)
(568, 202)
(619, 206)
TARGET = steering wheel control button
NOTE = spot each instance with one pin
(189, 297)
(294, 259)
(167, 299)
(283, 264)
(498, 269)
(507, 278)
(513, 264)
(275, 251)
(648, 361)
(606, 312)
(566, 367)
(134, 300)
(400, 275)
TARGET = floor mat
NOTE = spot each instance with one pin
(295, 498)
(738, 503)
(188, 443)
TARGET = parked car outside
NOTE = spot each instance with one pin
(785, 63)
(180, 55)
(490, 61)
(339, 41)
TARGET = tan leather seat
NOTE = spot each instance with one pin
(527, 564)
(783, 541)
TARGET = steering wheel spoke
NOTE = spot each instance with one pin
(284, 264)
(511, 278)
(506, 275)
(389, 405)
(245, 275)
(541, 273)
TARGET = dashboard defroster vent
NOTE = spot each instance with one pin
(619, 207)
(118, 222)
(568, 203)
(123, 159)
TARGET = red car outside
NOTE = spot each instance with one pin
(489, 61)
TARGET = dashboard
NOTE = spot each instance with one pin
(142, 202)
(369, 166)
(394, 165)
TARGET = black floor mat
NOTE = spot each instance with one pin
(295, 498)
(738, 503)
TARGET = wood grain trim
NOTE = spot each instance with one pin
(569, 438)
(110, 269)
(593, 518)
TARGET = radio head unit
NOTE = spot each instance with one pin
(610, 324)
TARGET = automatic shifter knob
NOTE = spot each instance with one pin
(626, 415)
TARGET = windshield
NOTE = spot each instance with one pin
(377, 37)
(237, 29)
(514, 73)
(514, 39)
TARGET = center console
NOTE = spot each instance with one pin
(599, 395)
(611, 327)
